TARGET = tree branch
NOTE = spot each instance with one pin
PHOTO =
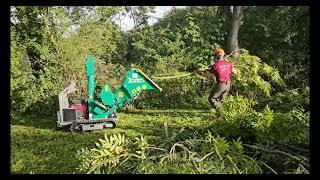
(268, 167)
(295, 148)
(295, 158)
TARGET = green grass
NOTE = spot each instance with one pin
(37, 147)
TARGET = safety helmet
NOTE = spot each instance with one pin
(219, 51)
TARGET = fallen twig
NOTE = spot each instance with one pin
(268, 167)
(196, 167)
(204, 157)
(157, 148)
(295, 148)
(295, 158)
(235, 166)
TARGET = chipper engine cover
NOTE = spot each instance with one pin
(100, 112)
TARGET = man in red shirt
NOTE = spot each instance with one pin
(222, 70)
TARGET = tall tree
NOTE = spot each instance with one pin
(233, 16)
(139, 14)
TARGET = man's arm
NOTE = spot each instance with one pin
(202, 70)
(234, 71)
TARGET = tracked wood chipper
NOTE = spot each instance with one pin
(100, 111)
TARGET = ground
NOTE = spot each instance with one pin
(38, 147)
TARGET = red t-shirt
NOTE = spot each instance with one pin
(222, 70)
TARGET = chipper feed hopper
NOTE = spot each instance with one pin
(100, 112)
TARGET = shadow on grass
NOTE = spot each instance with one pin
(171, 112)
(36, 121)
(40, 114)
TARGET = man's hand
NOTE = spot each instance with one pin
(200, 71)
(209, 75)
(234, 71)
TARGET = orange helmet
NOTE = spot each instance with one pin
(219, 51)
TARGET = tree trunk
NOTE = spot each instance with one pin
(226, 11)
(233, 30)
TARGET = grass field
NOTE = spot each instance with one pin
(37, 147)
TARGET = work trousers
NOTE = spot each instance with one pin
(219, 93)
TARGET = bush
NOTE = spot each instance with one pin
(284, 101)
(107, 155)
(255, 77)
(206, 154)
(240, 119)
(285, 128)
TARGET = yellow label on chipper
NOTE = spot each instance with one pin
(138, 88)
(134, 91)
(144, 86)
(120, 94)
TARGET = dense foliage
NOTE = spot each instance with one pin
(244, 141)
(51, 56)
(262, 127)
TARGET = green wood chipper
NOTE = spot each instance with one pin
(100, 111)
